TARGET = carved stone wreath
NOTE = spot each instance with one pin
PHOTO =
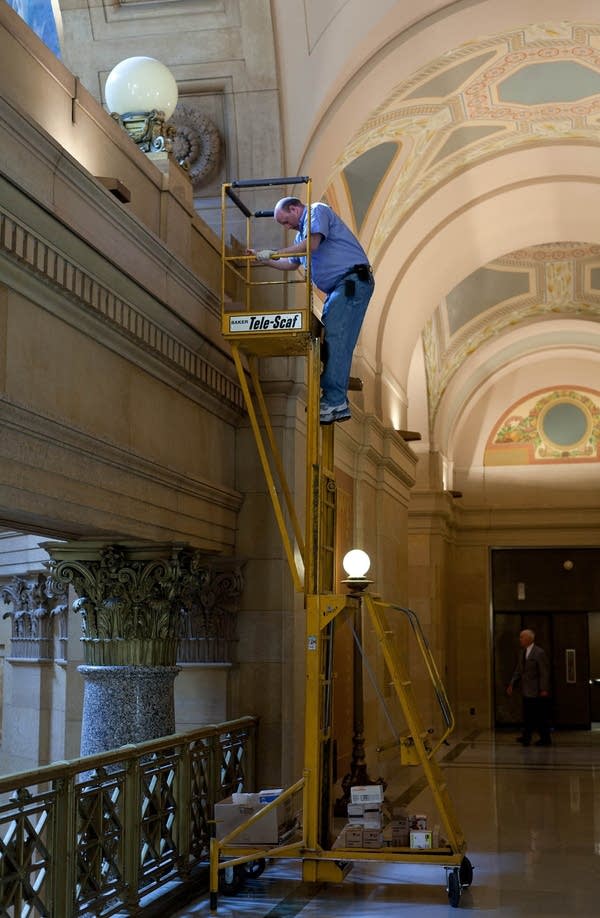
(197, 143)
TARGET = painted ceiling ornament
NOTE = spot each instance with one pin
(197, 143)
(564, 283)
(530, 86)
(560, 426)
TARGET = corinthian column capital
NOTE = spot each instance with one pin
(33, 602)
(129, 598)
(211, 599)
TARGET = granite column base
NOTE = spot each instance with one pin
(126, 704)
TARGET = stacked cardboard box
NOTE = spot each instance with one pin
(351, 837)
(234, 810)
(420, 837)
(365, 814)
(373, 825)
(365, 818)
(399, 828)
(369, 793)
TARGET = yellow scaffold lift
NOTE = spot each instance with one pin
(269, 318)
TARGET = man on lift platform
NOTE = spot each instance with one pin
(340, 268)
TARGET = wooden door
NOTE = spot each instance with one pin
(570, 670)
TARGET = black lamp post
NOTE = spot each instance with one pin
(356, 564)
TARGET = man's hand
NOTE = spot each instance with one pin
(544, 694)
(509, 689)
(261, 254)
(273, 258)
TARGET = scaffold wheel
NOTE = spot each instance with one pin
(466, 872)
(231, 880)
(454, 887)
(254, 869)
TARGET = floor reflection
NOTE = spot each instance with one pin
(531, 817)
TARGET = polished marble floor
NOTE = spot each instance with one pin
(531, 817)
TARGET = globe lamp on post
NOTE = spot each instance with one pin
(141, 94)
(356, 564)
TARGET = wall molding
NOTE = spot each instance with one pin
(190, 509)
(31, 253)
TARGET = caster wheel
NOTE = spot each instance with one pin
(253, 869)
(231, 880)
(465, 872)
(454, 887)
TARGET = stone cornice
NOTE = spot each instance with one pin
(39, 271)
(50, 262)
(59, 479)
(528, 525)
(92, 450)
(436, 511)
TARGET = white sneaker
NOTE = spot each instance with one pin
(332, 413)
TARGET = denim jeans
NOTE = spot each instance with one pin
(342, 320)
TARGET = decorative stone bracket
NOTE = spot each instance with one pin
(196, 144)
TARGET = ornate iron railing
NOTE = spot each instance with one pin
(96, 835)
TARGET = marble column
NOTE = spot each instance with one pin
(130, 601)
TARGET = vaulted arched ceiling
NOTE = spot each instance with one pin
(472, 176)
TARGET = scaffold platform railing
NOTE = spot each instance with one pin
(262, 316)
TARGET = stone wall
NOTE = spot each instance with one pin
(113, 374)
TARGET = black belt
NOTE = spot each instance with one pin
(364, 273)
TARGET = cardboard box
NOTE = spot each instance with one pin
(353, 837)
(420, 839)
(269, 794)
(372, 814)
(366, 814)
(266, 831)
(369, 793)
(355, 810)
(372, 838)
(246, 798)
(400, 831)
(395, 837)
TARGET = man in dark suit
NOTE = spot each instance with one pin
(533, 672)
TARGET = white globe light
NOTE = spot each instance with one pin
(356, 563)
(141, 84)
